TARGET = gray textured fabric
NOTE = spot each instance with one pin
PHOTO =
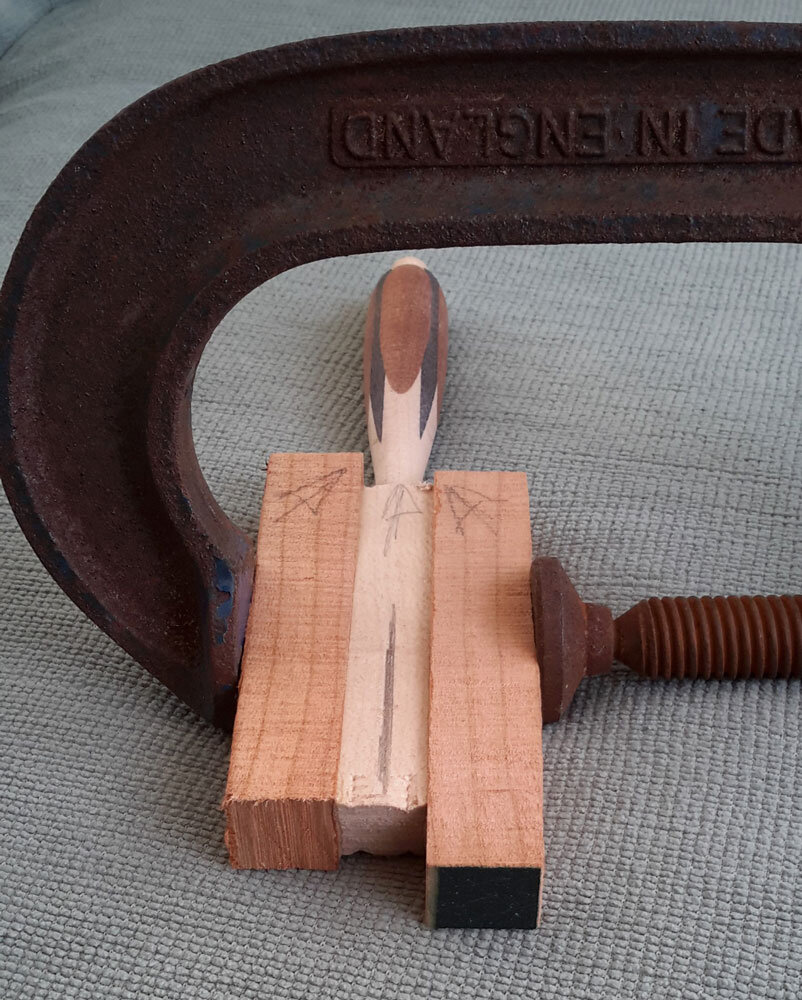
(651, 393)
(16, 16)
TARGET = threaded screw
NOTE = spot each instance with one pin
(724, 638)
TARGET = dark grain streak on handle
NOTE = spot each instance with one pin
(374, 362)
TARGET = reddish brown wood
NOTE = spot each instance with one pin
(484, 841)
(282, 780)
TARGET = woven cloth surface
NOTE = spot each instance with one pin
(652, 395)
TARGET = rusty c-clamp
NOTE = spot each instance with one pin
(210, 185)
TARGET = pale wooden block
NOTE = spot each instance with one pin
(382, 782)
(381, 797)
(484, 846)
(282, 782)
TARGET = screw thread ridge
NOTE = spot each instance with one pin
(717, 637)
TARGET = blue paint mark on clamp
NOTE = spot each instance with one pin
(224, 584)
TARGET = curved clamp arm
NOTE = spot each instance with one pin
(214, 183)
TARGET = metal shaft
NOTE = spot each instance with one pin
(712, 637)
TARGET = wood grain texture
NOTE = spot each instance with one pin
(282, 782)
(484, 847)
(381, 797)
(406, 346)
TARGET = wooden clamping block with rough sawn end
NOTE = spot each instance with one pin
(282, 780)
(389, 698)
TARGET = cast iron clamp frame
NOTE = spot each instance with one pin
(210, 185)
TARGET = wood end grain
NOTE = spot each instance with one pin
(282, 781)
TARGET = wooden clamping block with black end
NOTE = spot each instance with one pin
(484, 842)
(390, 697)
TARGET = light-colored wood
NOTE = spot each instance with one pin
(485, 794)
(382, 778)
(378, 804)
(381, 798)
(282, 782)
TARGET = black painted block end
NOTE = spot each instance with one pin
(493, 898)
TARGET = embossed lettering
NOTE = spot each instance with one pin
(514, 133)
(797, 119)
(483, 119)
(735, 139)
(666, 131)
(526, 134)
(771, 126)
(592, 133)
(400, 134)
(360, 135)
(441, 130)
(551, 132)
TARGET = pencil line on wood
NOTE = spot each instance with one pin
(393, 513)
(386, 737)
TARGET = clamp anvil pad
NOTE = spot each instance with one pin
(494, 134)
